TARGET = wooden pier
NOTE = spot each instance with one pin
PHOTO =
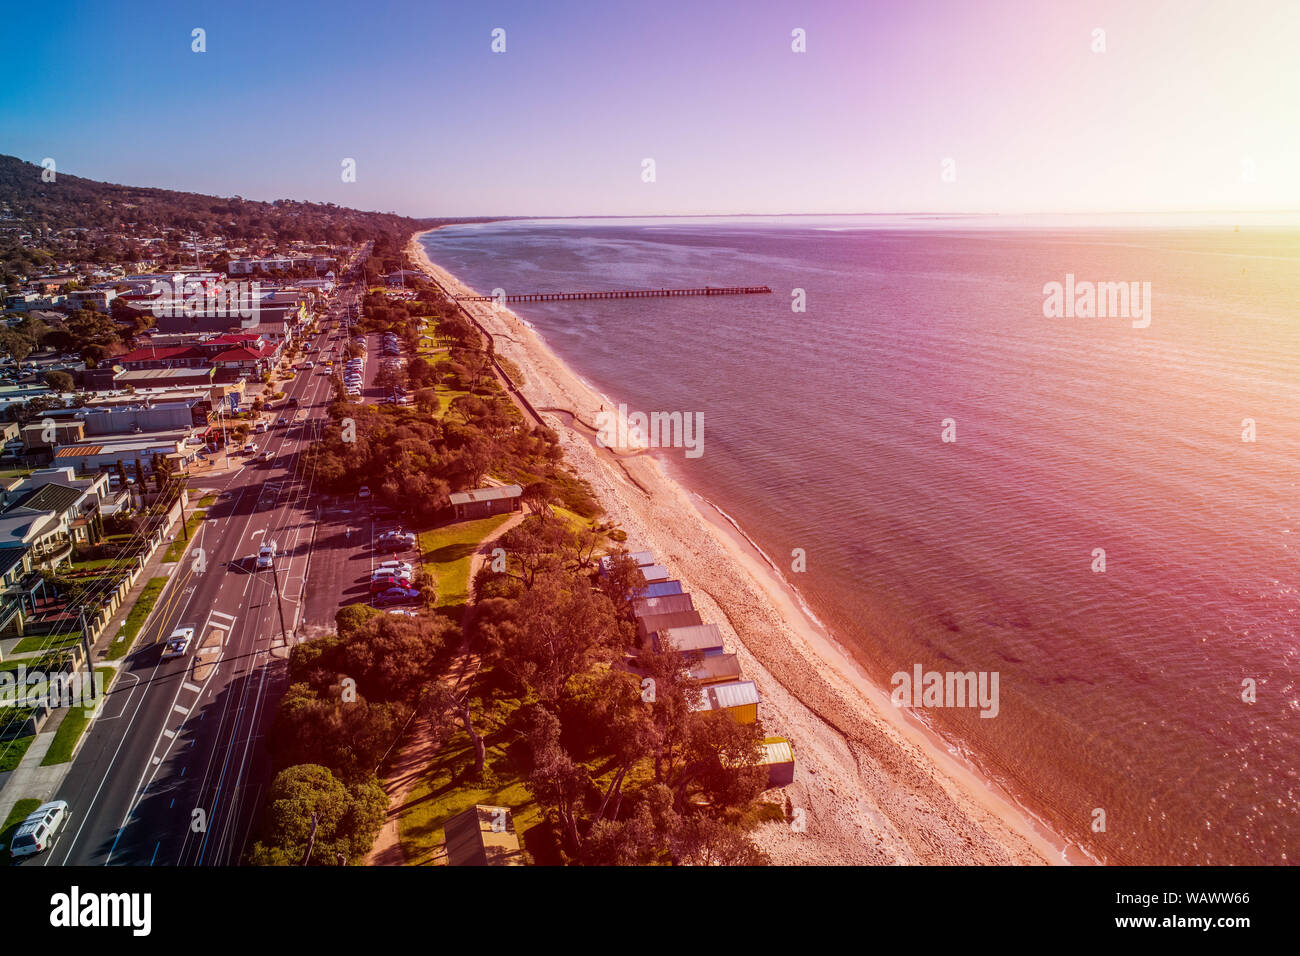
(619, 294)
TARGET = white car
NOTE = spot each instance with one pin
(400, 568)
(37, 831)
(266, 555)
(363, 491)
(178, 643)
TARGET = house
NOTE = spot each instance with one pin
(484, 502)
(76, 510)
(47, 433)
(482, 836)
(738, 699)
(704, 639)
(402, 277)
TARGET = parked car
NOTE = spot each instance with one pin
(397, 538)
(388, 583)
(403, 611)
(39, 828)
(399, 566)
(178, 643)
(266, 555)
(396, 596)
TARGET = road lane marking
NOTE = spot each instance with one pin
(183, 710)
(192, 688)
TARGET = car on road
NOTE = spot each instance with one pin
(267, 456)
(292, 401)
(250, 449)
(178, 643)
(39, 828)
(282, 421)
(400, 539)
(266, 555)
(396, 596)
(309, 364)
(363, 491)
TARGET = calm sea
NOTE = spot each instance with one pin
(1120, 691)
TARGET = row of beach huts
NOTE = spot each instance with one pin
(666, 616)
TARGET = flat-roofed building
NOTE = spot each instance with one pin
(485, 502)
(705, 639)
(717, 668)
(667, 604)
(645, 626)
(738, 699)
(659, 589)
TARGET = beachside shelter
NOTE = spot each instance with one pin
(485, 502)
(660, 589)
(654, 573)
(738, 699)
(483, 836)
(646, 626)
(703, 638)
(666, 604)
(778, 757)
(717, 669)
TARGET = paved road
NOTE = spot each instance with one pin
(172, 771)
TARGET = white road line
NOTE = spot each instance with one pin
(192, 688)
(184, 710)
(169, 733)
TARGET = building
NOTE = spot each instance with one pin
(666, 604)
(659, 589)
(482, 836)
(163, 356)
(778, 757)
(49, 432)
(645, 626)
(703, 639)
(738, 699)
(716, 669)
(165, 378)
(485, 502)
(106, 453)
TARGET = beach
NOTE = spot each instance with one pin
(873, 784)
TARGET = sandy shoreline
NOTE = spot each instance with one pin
(875, 786)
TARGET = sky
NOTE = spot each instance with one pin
(910, 106)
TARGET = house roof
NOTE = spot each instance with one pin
(245, 354)
(50, 497)
(18, 526)
(155, 353)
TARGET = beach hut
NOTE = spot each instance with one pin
(646, 626)
(778, 757)
(660, 589)
(654, 573)
(668, 604)
(738, 699)
(717, 668)
(704, 638)
(483, 836)
(643, 559)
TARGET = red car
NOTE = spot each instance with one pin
(380, 585)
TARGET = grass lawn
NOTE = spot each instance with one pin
(47, 642)
(11, 751)
(96, 563)
(446, 396)
(177, 548)
(445, 553)
(135, 620)
(443, 790)
(207, 501)
(73, 725)
(16, 816)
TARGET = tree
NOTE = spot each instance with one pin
(346, 819)
(60, 381)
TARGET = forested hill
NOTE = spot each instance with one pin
(73, 202)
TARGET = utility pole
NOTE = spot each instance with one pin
(85, 644)
(279, 604)
(180, 497)
(311, 840)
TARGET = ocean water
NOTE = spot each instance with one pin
(1119, 690)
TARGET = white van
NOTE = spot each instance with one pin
(37, 831)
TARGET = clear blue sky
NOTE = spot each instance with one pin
(1035, 120)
